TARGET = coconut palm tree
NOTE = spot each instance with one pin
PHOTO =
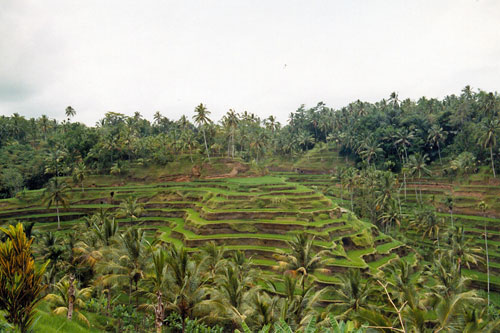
(352, 294)
(130, 208)
(70, 112)
(51, 248)
(449, 203)
(56, 194)
(212, 258)
(79, 173)
(106, 231)
(134, 259)
(462, 251)
(488, 139)
(232, 122)
(369, 150)
(302, 259)
(153, 287)
(403, 138)
(427, 223)
(483, 206)
(69, 300)
(436, 136)
(201, 118)
(418, 166)
(189, 292)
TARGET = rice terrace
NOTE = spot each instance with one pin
(249, 166)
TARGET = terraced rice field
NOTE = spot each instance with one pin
(466, 213)
(255, 215)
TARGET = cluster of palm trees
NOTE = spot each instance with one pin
(223, 288)
(369, 133)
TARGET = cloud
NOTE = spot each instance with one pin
(169, 56)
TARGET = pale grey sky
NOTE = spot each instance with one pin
(168, 56)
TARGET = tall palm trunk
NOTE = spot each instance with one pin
(439, 152)
(487, 261)
(404, 181)
(492, 162)
(352, 205)
(420, 187)
(108, 306)
(416, 194)
(159, 312)
(58, 218)
(233, 145)
(71, 296)
(206, 147)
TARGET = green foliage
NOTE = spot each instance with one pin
(21, 285)
(363, 239)
(174, 325)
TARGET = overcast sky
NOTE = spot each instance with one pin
(263, 56)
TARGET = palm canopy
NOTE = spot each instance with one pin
(302, 260)
(60, 300)
(56, 194)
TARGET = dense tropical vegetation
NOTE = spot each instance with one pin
(110, 272)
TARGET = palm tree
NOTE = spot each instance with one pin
(258, 143)
(134, 259)
(403, 139)
(483, 206)
(418, 167)
(130, 208)
(449, 203)
(153, 287)
(351, 294)
(351, 180)
(68, 302)
(392, 216)
(298, 307)
(189, 292)
(51, 249)
(436, 136)
(235, 289)
(79, 173)
(212, 257)
(263, 311)
(201, 118)
(56, 194)
(302, 260)
(370, 150)
(232, 123)
(488, 138)
(106, 231)
(427, 223)
(461, 250)
(70, 112)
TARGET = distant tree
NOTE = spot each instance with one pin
(488, 139)
(437, 136)
(201, 118)
(418, 166)
(79, 173)
(449, 204)
(130, 208)
(56, 194)
(70, 112)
